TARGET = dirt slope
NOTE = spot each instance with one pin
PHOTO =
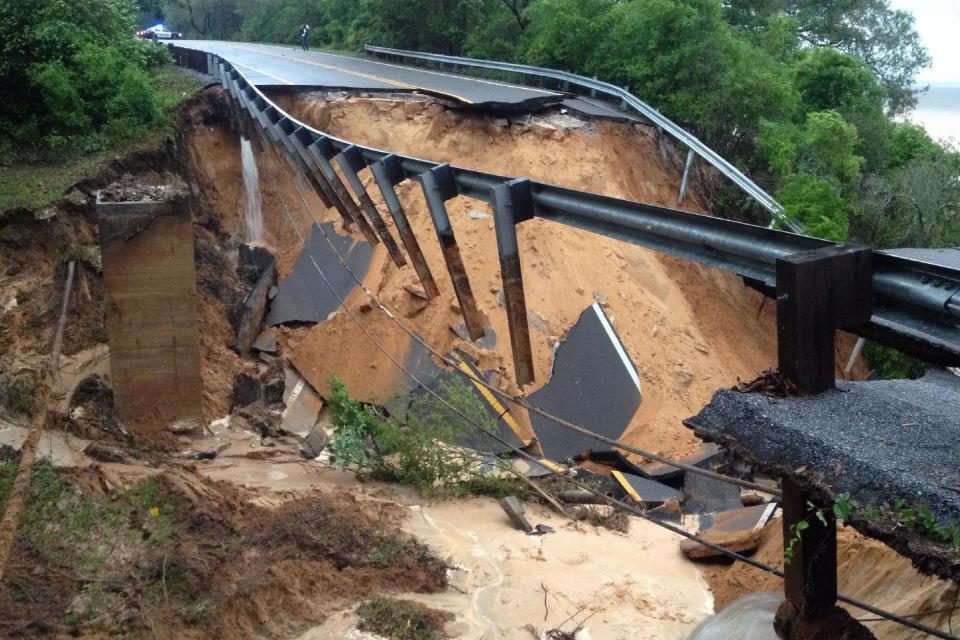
(688, 328)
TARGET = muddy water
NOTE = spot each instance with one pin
(252, 204)
(635, 586)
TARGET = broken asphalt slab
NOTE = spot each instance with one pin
(878, 441)
(303, 296)
(648, 493)
(737, 530)
(663, 472)
(594, 384)
(705, 495)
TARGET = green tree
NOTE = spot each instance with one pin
(883, 38)
(80, 75)
(818, 169)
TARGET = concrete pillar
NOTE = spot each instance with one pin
(151, 311)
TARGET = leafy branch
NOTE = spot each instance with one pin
(914, 518)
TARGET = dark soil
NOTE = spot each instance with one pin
(188, 557)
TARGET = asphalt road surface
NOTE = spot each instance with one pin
(272, 65)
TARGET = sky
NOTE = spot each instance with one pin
(937, 24)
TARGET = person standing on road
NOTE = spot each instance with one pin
(305, 37)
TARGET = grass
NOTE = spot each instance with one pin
(400, 619)
(8, 471)
(35, 186)
(99, 542)
(20, 392)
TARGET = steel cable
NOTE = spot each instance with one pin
(523, 454)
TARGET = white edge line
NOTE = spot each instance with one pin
(417, 70)
(617, 344)
(261, 72)
(767, 515)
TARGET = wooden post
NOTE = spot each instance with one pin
(818, 292)
(810, 583)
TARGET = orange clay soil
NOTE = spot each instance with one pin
(689, 329)
(868, 571)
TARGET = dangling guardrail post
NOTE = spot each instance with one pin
(439, 186)
(322, 150)
(266, 114)
(283, 129)
(303, 138)
(512, 204)
(387, 173)
(351, 161)
(691, 156)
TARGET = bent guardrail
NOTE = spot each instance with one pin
(694, 145)
(916, 305)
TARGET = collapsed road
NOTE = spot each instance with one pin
(264, 397)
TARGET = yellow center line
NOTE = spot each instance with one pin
(626, 485)
(359, 74)
(492, 400)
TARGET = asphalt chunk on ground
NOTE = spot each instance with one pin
(303, 296)
(593, 384)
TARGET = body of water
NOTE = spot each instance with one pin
(939, 111)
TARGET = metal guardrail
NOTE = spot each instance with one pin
(693, 144)
(916, 304)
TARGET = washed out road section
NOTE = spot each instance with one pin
(273, 65)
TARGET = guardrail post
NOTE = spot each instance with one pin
(284, 130)
(322, 150)
(300, 138)
(691, 156)
(438, 187)
(273, 135)
(818, 292)
(387, 173)
(512, 204)
(351, 161)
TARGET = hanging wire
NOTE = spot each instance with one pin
(523, 454)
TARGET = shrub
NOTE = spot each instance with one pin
(423, 450)
(81, 83)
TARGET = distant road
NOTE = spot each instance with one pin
(270, 65)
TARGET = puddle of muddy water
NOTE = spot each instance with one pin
(635, 586)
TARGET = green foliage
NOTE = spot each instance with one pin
(909, 141)
(918, 518)
(8, 471)
(399, 619)
(891, 364)
(421, 451)
(20, 392)
(886, 40)
(82, 79)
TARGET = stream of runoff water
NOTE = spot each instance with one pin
(252, 210)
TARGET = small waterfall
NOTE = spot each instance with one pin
(252, 214)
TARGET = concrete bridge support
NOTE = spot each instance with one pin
(151, 311)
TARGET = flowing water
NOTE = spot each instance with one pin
(252, 214)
